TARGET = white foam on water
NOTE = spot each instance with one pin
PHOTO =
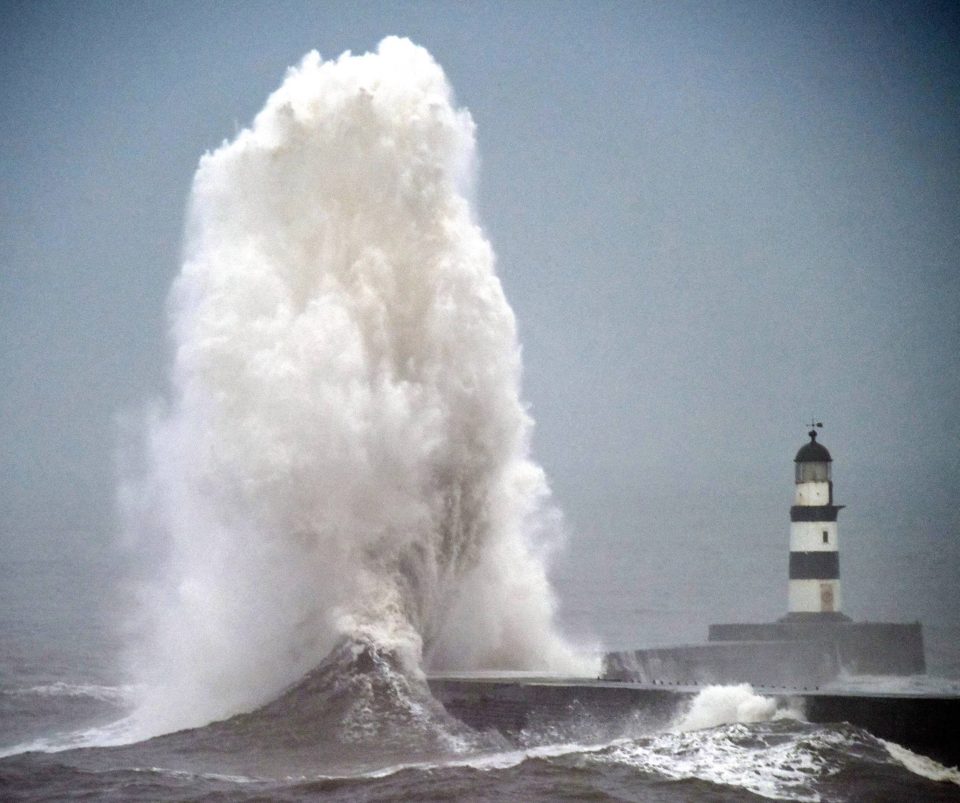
(733, 756)
(208, 776)
(484, 761)
(119, 732)
(922, 765)
(107, 694)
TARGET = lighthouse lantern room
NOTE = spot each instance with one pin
(814, 553)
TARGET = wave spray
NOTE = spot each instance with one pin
(345, 455)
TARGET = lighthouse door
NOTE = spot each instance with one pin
(826, 597)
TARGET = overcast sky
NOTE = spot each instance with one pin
(713, 221)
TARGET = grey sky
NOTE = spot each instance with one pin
(712, 220)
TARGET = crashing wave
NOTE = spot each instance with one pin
(345, 454)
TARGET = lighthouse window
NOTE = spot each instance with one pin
(826, 537)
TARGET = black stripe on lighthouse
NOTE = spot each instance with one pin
(815, 512)
(814, 566)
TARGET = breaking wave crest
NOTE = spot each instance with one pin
(724, 705)
(922, 765)
(363, 706)
(345, 454)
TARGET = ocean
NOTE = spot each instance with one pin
(363, 727)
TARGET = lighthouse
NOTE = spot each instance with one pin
(814, 553)
(813, 644)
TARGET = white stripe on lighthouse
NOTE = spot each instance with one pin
(813, 536)
(815, 596)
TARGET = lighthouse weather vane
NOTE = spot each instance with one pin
(815, 423)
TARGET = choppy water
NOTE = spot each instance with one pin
(360, 727)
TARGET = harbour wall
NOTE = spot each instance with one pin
(793, 653)
(923, 723)
(858, 648)
(780, 664)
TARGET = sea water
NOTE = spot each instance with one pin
(357, 729)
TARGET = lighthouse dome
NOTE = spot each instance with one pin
(813, 452)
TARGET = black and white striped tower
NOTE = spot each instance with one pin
(814, 554)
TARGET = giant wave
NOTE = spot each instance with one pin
(345, 453)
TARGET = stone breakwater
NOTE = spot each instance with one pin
(923, 723)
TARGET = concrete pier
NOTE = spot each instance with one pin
(923, 723)
(792, 652)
